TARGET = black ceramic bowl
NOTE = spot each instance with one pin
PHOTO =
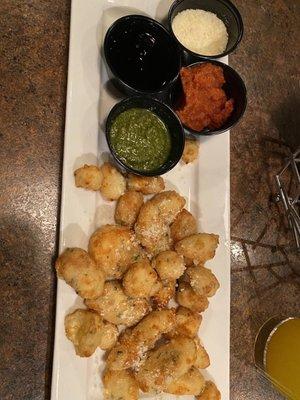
(142, 56)
(171, 121)
(225, 10)
(234, 88)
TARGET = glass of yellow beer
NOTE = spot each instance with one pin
(277, 354)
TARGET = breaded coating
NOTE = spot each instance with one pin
(120, 385)
(202, 359)
(187, 297)
(184, 225)
(113, 184)
(128, 208)
(191, 151)
(202, 280)
(191, 383)
(187, 323)
(166, 364)
(155, 217)
(87, 330)
(88, 177)
(188, 262)
(116, 307)
(200, 247)
(146, 184)
(77, 268)
(125, 335)
(114, 249)
(130, 349)
(163, 244)
(169, 265)
(164, 294)
(210, 392)
(149, 228)
(140, 280)
(169, 204)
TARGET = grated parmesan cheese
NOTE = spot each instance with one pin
(200, 31)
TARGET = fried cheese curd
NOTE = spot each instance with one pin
(210, 392)
(184, 225)
(80, 271)
(120, 385)
(187, 297)
(88, 177)
(118, 308)
(146, 184)
(155, 216)
(204, 104)
(128, 208)
(164, 293)
(87, 330)
(131, 347)
(191, 383)
(187, 323)
(113, 182)
(202, 280)
(169, 265)
(141, 280)
(167, 363)
(191, 151)
(202, 357)
(114, 249)
(199, 247)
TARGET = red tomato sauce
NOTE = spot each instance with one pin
(204, 104)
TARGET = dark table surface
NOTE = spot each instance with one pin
(265, 271)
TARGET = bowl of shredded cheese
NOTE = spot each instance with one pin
(205, 29)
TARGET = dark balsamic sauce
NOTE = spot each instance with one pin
(143, 55)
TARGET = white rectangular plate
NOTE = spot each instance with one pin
(205, 185)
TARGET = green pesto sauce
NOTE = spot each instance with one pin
(140, 139)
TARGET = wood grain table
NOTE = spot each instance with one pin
(265, 271)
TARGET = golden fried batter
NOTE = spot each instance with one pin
(146, 184)
(164, 294)
(166, 364)
(200, 247)
(120, 385)
(210, 392)
(202, 359)
(157, 247)
(77, 268)
(87, 330)
(191, 151)
(140, 280)
(187, 297)
(155, 216)
(88, 177)
(113, 184)
(191, 383)
(114, 249)
(187, 323)
(202, 280)
(169, 265)
(128, 208)
(116, 307)
(131, 347)
(184, 225)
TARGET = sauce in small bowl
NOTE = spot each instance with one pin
(145, 136)
(142, 56)
(234, 89)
